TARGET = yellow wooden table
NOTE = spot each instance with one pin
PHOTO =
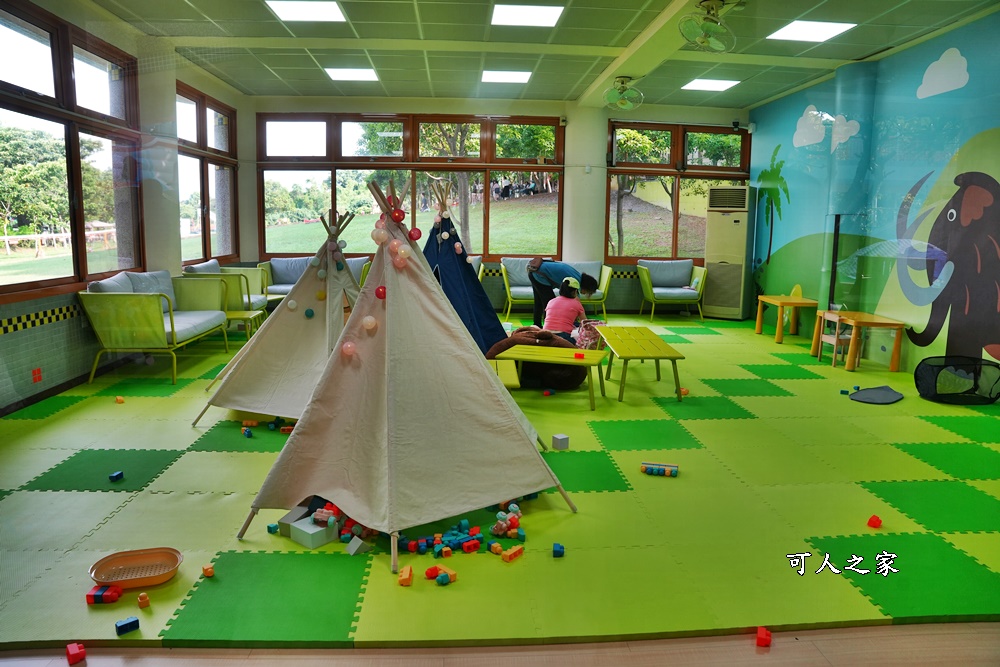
(858, 320)
(782, 302)
(638, 343)
(251, 319)
(560, 355)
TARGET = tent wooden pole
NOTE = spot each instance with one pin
(394, 538)
(566, 497)
(253, 513)
(539, 438)
(203, 410)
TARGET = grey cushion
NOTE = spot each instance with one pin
(517, 271)
(288, 270)
(669, 273)
(677, 293)
(255, 302)
(592, 269)
(116, 283)
(151, 282)
(476, 262)
(356, 264)
(280, 289)
(190, 323)
(211, 266)
(522, 293)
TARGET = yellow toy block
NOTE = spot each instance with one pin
(512, 553)
(497, 548)
(406, 576)
(452, 575)
(446, 552)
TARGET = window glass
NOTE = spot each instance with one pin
(189, 187)
(641, 215)
(524, 213)
(20, 43)
(99, 84)
(34, 200)
(694, 213)
(187, 119)
(376, 139)
(465, 202)
(449, 139)
(353, 196)
(109, 206)
(220, 210)
(218, 129)
(713, 150)
(295, 138)
(293, 202)
(642, 145)
(526, 142)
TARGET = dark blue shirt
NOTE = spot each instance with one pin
(553, 273)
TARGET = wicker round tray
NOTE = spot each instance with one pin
(134, 569)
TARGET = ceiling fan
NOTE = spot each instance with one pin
(707, 32)
(622, 95)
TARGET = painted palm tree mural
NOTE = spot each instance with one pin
(771, 184)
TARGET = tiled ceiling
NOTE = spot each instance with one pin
(439, 48)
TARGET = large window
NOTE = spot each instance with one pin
(206, 166)
(658, 186)
(67, 134)
(502, 177)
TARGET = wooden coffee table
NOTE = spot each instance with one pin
(629, 343)
(782, 302)
(560, 355)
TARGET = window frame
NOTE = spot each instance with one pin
(544, 121)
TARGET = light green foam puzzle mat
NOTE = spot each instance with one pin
(144, 387)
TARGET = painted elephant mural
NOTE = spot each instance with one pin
(962, 262)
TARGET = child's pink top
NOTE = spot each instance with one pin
(561, 314)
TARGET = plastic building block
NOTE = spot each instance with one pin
(558, 550)
(208, 570)
(845, 392)
(438, 550)
(247, 433)
(520, 534)
(443, 579)
(446, 552)
(357, 546)
(116, 476)
(857, 387)
(346, 537)
(763, 636)
(128, 625)
(685, 391)
(75, 653)
(578, 355)
(143, 600)
(285, 429)
(272, 528)
(119, 400)
(659, 469)
(513, 521)
(560, 441)
(463, 525)
(406, 576)
(411, 547)
(104, 594)
(548, 392)
(272, 426)
(451, 573)
(432, 572)
(874, 521)
(250, 422)
(475, 530)
(471, 547)
(512, 553)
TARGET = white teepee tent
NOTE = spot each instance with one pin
(409, 423)
(276, 371)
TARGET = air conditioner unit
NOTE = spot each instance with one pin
(729, 240)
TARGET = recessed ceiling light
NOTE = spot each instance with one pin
(526, 15)
(490, 76)
(300, 10)
(811, 31)
(709, 84)
(347, 74)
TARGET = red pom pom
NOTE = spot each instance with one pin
(398, 214)
(380, 291)
(415, 234)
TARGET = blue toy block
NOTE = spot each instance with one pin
(463, 525)
(128, 625)
(116, 476)
(443, 579)
(520, 534)
(845, 392)
(558, 550)
(438, 548)
(489, 545)
(272, 528)
(247, 433)
(422, 547)
(346, 537)
(271, 426)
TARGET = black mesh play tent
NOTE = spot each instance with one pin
(958, 380)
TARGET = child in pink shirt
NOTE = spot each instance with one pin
(563, 312)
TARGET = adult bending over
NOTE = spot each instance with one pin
(546, 275)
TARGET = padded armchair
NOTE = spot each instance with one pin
(156, 318)
(477, 265)
(282, 273)
(672, 282)
(599, 297)
(359, 268)
(516, 283)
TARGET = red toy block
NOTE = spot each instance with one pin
(578, 355)
(208, 570)
(75, 653)
(111, 595)
(475, 530)
(446, 552)
(874, 521)
(143, 600)
(763, 636)
(432, 572)
(412, 547)
(406, 576)
(513, 521)
(471, 547)
(286, 429)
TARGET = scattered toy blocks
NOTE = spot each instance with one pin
(357, 546)
(471, 547)
(272, 528)
(143, 600)
(451, 574)
(558, 550)
(659, 469)
(311, 535)
(432, 572)
(560, 441)
(75, 653)
(763, 636)
(406, 576)
(116, 476)
(127, 625)
(874, 521)
(512, 553)
(208, 570)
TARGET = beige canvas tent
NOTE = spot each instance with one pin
(276, 371)
(408, 424)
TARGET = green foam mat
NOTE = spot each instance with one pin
(673, 339)
(757, 387)
(777, 464)
(961, 460)
(34, 520)
(935, 581)
(702, 407)
(22, 464)
(311, 601)
(730, 324)
(941, 506)
(89, 470)
(977, 429)
(880, 424)
(874, 462)
(586, 471)
(984, 547)
(781, 372)
(159, 387)
(693, 331)
(227, 436)
(642, 434)
(799, 358)
(45, 408)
